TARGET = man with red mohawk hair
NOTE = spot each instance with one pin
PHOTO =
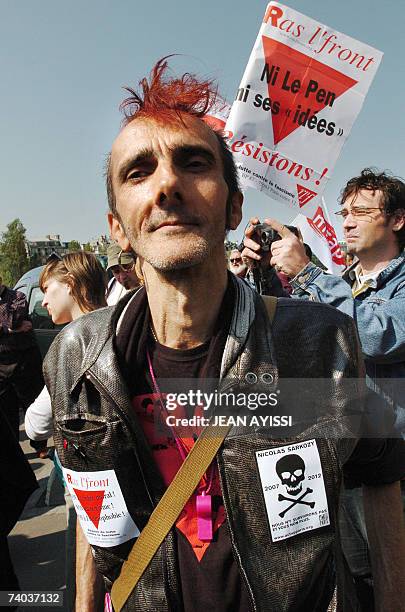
(242, 541)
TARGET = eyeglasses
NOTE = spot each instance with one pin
(236, 260)
(357, 211)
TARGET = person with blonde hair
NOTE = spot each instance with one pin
(72, 287)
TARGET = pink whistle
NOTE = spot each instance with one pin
(204, 517)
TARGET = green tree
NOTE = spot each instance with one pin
(87, 247)
(13, 256)
(74, 245)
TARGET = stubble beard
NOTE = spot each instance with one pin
(171, 257)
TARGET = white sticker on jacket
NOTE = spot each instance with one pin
(293, 489)
(100, 507)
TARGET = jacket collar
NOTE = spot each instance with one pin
(249, 344)
(350, 276)
(95, 331)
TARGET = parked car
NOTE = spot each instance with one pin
(45, 330)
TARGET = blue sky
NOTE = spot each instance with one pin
(63, 66)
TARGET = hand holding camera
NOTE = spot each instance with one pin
(273, 244)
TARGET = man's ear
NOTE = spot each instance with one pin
(117, 233)
(235, 216)
(399, 221)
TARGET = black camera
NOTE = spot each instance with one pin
(266, 235)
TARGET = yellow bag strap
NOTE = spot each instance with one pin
(172, 503)
(271, 304)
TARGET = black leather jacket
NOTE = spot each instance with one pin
(92, 409)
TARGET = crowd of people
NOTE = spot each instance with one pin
(209, 504)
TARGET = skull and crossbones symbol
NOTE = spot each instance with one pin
(291, 471)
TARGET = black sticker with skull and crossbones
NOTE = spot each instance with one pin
(291, 471)
(293, 488)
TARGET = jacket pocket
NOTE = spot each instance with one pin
(87, 442)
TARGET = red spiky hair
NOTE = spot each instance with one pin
(165, 97)
(168, 99)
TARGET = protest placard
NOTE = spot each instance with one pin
(301, 91)
(100, 507)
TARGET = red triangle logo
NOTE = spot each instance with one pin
(319, 86)
(91, 502)
(305, 195)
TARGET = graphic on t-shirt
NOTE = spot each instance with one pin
(168, 459)
(100, 507)
(293, 488)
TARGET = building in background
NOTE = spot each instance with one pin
(38, 251)
(99, 245)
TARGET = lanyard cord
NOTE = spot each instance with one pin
(179, 444)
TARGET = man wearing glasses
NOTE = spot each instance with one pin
(372, 291)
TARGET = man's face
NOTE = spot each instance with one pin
(236, 264)
(170, 193)
(372, 232)
(127, 278)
